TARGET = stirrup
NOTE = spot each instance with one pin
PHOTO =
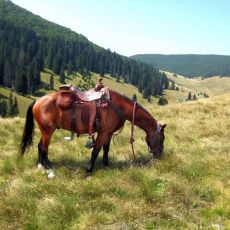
(90, 143)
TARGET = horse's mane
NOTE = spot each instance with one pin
(130, 101)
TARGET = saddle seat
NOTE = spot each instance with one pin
(89, 95)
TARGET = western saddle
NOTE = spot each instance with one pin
(71, 97)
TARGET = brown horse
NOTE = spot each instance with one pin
(49, 117)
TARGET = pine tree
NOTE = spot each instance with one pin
(10, 106)
(62, 76)
(30, 78)
(162, 101)
(173, 85)
(51, 81)
(57, 63)
(3, 108)
(194, 97)
(147, 93)
(189, 96)
(7, 79)
(21, 82)
(70, 68)
(15, 107)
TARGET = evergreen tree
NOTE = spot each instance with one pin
(57, 63)
(70, 68)
(194, 97)
(30, 78)
(10, 106)
(147, 93)
(173, 85)
(162, 101)
(21, 82)
(15, 107)
(62, 76)
(7, 79)
(51, 81)
(189, 96)
(3, 108)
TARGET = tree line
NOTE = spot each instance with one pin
(9, 108)
(28, 46)
(190, 65)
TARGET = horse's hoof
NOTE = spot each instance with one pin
(88, 176)
(51, 174)
(106, 167)
(40, 167)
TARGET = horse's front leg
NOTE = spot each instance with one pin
(40, 158)
(102, 139)
(94, 155)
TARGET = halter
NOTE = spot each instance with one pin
(154, 140)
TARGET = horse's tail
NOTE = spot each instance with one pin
(28, 133)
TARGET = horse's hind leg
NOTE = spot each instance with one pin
(43, 153)
(102, 139)
(105, 153)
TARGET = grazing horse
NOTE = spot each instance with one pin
(120, 108)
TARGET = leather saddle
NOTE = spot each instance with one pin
(69, 94)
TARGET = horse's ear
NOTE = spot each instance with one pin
(163, 127)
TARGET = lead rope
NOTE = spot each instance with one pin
(132, 129)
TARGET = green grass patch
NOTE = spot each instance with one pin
(188, 188)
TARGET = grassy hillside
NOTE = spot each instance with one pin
(23, 102)
(75, 80)
(212, 86)
(187, 189)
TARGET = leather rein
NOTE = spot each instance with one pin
(132, 129)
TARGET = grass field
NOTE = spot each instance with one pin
(189, 188)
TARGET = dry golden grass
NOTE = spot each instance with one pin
(213, 86)
(187, 189)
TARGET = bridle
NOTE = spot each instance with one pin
(155, 140)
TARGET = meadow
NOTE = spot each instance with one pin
(188, 188)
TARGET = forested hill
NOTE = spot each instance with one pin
(190, 65)
(29, 43)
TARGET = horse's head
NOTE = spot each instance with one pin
(155, 140)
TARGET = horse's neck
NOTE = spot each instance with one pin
(142, 118)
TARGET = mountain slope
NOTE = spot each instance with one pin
(29, 43)
(189, 65)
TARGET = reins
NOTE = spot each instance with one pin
(132, 129)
